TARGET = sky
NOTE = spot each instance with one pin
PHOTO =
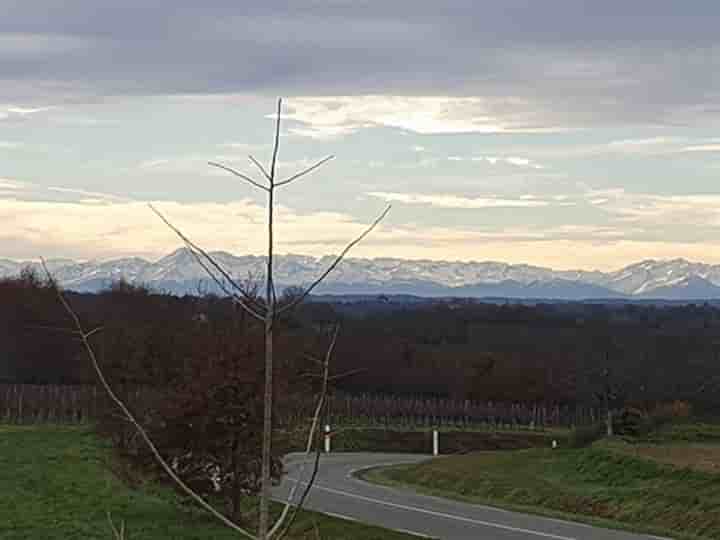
(569, 134)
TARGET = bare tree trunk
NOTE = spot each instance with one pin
(609, 422)
(264, 518)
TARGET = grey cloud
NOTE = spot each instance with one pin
(554, 63)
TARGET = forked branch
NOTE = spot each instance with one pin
(118, 533)
(238, 174)
(304, 172)
(262, 169)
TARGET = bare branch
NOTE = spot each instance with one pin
(196, 250)
(138, 427)
(337, 261)
(312, 434)
(118, 534)
(314, 359)
(237, 299)
(276, 145)
(347, 374)
(94, 331)
(338, 376)
(271, 302)
(262, 169)
(304, 172)
(239, 174)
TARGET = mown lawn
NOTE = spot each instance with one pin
(58, 483)
(598, 484)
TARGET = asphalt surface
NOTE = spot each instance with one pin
(338, 492)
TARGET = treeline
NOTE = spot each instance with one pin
(565, 354)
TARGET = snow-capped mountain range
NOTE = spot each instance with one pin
(179, 273)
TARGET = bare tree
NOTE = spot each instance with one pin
(271, 305)
(266, 310)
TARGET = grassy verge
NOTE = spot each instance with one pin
(697, 456)
(57, 483)
(694, 432)
(419, 441)
(596, 485)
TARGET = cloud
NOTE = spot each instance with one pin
(12, 112)
(660, 212)
(494, 160)
(645, 145)
(454, 201)
(92, 196)
(91, 227)
(326, 117)
(91, 230)
(77, 223)
(713, 147)
(29, 46)
(528, 65)
(6, 184)
(9, 145)
(243, 146)
(24, 111)
(30, 191)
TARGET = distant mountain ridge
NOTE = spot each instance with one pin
(179, 273)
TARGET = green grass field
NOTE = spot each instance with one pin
(604, 484)
(57, 483)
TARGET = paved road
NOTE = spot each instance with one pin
(337, 492)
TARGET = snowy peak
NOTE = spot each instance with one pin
(180, 272)
(690, 287)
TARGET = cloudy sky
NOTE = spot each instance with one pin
(564, 133)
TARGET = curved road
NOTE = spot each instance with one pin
(338, 492)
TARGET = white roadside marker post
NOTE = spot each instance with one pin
(436, 443)
(327, 438)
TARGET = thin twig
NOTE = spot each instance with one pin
(338, 376)
(148, 441)
(304, 172)
(314, 359)
(118, 534)
(276, 145)
(347, 374)
(337, 261)
(94, 331)
(312, 434)
(259, 166)
(239, 174)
